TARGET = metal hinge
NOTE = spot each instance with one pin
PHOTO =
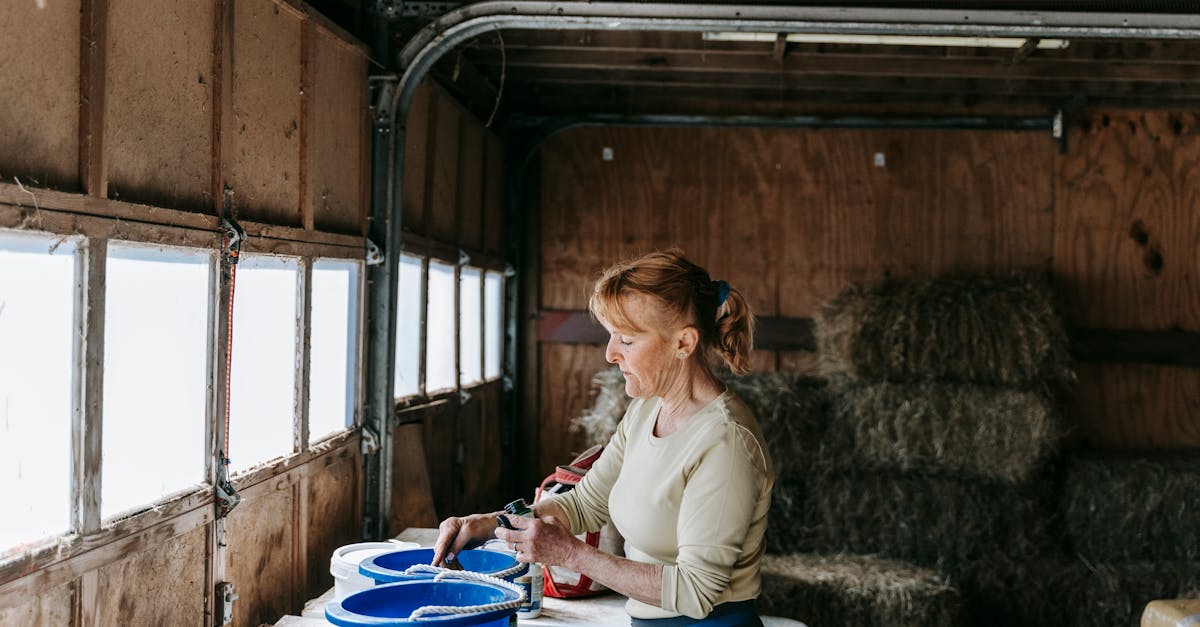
(225, 598)
(374, 254)
(370, 442)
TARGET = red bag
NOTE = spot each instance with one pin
(560, 582)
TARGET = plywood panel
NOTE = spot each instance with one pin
(941, 202)
(158, 125)
(494, 222)
(1126, 224)
(441, 451)
(443, 189)
(51, 608)
(480, 420)
(337, 93)
(333, 520)
(470, 186)
(412, 496)
(39, 77)
(566, 390)
(417, 153)
(160, 585)
(1128, 406)
(261, 555)
(264, 154)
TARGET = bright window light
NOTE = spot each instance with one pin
(493, 324)
(263, 386)
(439, 339)
(470, 347)
(155, 373)
(408, 327)
(37, 306)
(332, 342)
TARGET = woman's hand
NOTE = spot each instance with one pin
(543, 540)
(458, 533)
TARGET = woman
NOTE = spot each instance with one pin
(686, 478)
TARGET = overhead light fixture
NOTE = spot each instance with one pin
(890, 40)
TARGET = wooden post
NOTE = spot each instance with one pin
(93, 45)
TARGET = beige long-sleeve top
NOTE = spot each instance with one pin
(694, 501)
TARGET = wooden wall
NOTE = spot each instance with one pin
(453, 193)
(150, 110)
(790, 217)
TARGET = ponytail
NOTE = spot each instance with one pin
(735, 333)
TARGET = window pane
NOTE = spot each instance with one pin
(263, 400)
(470, 340)
(37, 305)
(493, 324)
(332, 343)
(439, 339)
(155, 373)
(408, 327)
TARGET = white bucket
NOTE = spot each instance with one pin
(344, 564)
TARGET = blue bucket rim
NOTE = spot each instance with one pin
(337, 614)
(371, 570)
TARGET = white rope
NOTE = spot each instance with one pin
(468, 609)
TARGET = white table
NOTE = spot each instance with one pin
(607, 610)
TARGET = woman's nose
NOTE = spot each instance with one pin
(610, 353)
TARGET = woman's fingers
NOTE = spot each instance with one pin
(447, 534)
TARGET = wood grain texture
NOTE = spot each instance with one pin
(264, 158)
(566, 390)
(337, 80)
(442, 208)
(417, 158)
(39, 122)
(494, 223)
(482, 445)
(470, 186)
(441, 452)
(158, 126)
(1126, 226)
(160, 585)
(44, 608)
(1133, 406)
(412, 496)
(332, 520)
(260, 553)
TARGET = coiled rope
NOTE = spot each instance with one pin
(446, 573)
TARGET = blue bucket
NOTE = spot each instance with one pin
(391, 604)
(389, 567)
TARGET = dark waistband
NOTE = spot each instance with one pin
(732, 614)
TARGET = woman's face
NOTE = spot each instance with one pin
(646, 358)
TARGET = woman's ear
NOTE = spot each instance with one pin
(687, 340)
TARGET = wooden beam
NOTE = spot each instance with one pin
(1170, 348)
(93, 46)
(87, 427)
(306, 208)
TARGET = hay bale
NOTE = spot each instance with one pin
(927, 520)
(856, 590)
(988, 330)
(943, 428)
(1059, 590)
(599, 421)
(1130, 508)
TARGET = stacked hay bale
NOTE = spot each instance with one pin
(944, 422)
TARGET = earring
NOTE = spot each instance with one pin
(681, 355)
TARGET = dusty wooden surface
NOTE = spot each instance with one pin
(417, 152)
(44, 608)
(161, 584)
(264, 160)
(260, 537)
(333, 512)
(470, 186)
(337, 87)
(442, 201)
(158, 126)
(494, 224)
(39, 123)
(412, 496)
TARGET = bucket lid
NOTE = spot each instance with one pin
(346, 559)
(391, 604)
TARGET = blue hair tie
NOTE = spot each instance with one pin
(722, 291)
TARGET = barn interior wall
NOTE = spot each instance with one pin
(790, 217)
(129, 119)
(453, 191)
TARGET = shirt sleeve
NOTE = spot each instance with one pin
(715, 514)
(586, 506)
